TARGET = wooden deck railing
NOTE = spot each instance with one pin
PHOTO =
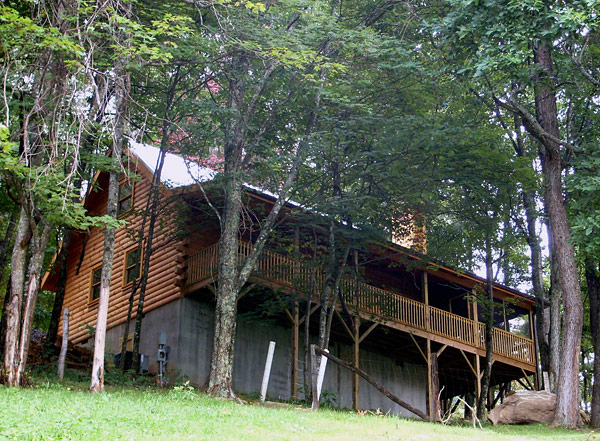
(379, 303)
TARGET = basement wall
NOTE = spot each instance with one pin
(189, 323)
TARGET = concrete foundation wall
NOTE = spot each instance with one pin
(189, 323)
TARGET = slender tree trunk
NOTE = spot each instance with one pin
(121, 92)
(6, 245)
(3, 322)
(154, 198)
(13, 310)
(151, 212)
(312, 288)
(7, 242)
(38, 246)
(489, 329)
(567, 400)
(592, 276)
(59, 297)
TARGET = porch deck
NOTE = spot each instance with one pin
(377, 305)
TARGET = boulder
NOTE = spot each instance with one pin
(525, 406)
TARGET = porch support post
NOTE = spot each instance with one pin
(295, 345)
(425, 285)
(356, 360)
(476, 336)
(431, 395)
(430, 399)
(477, 376)
(295, 317)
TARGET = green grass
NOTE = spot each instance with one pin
(53, 411)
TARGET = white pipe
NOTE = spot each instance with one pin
(268, 363)
(321, 376)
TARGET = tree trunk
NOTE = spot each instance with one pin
(38, 246)
(121, 93)
(313, 284)
(533, 241)
(59, 297)
(567, 399)
(592, 276)
(489, 329)
(154, 199)
(13, 310)
(226, 308)
(3, 322)
(230, 278)
(554, 339)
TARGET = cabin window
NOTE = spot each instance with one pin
(95, 284)
(132, 265)
(125, 197)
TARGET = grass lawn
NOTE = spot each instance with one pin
(53, 411)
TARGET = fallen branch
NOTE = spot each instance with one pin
(473, 413)
(371, 380)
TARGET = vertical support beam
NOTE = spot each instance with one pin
(356, 337)
(295, 318)
(295, 345)
(430, 400)
(355, 377)
(431, 395)
(477, 377)
(425, 284)
(476, 336)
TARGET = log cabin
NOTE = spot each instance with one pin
(413, 324)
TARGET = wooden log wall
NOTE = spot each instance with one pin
(165, 264)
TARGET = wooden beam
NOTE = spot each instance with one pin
(312, 309)
(523, 384)
(245, 291)
(527, 378)
(350, 333)
(439, 352)
(295, 346)
(468, 362)
(418, 347)
(478, 375)
(371, 380)
(356, 354)
(367, 332)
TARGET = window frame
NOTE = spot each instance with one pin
(91, 300)
(126, 283)
(122, 182)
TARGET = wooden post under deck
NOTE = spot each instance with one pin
(431, 398)
(295, 344)
(477, 377)
(355, 377)
(295, 318)
(356, 337)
